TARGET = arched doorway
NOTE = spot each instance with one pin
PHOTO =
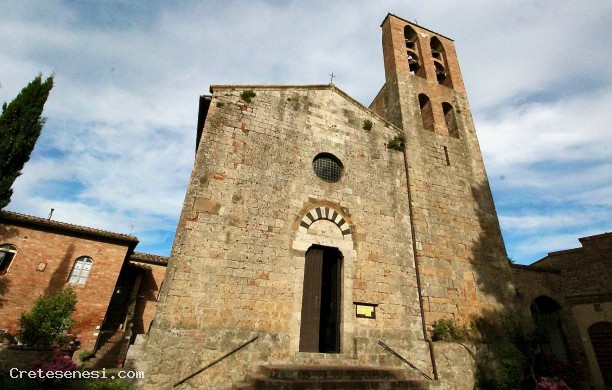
(600, 334)
(546, 313)
(321, 300)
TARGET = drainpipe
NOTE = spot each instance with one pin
(416, 268)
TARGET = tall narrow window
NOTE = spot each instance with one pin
(413, 52)
(440, 64)
(7, 254)
(426, 112)
(450, 119)
(80, 270)
(446, 155)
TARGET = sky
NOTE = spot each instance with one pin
(118, 146)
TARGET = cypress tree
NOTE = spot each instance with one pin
(20, 126)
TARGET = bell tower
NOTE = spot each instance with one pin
(458, 248)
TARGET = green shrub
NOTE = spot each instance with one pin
(247, 95)
(49, 320)
(85, 355)
(397, 143)
(447, 329)
(367, 125)
(220, 104)
(6, 335)
(109, 385)
(510, 358)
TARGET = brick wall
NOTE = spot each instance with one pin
(58, 251)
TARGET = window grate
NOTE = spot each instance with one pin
(327, 168)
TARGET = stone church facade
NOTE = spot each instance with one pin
(302, 227)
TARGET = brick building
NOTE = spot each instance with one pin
(569, 294)
(304, 227)
(116, 288)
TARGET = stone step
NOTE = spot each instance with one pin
(291, 377)
(301, 372)
(103, 363)
(243, 386)
(338, 384)
(111, 348)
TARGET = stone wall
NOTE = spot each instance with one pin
(237, 266)
(456, 367)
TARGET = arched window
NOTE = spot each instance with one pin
(413, 52)
(426, 112)
(440, 64)
(450, 119)
(7, 254)
(80, 270)
(546, 313)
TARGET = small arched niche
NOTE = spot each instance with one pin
(426, 112)
(438, 55)
(413, 52)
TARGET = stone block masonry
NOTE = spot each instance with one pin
(272, 244)
(255, 206)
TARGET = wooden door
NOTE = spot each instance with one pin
(311, 301)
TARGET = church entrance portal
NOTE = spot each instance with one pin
(321, 301)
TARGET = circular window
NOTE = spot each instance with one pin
(327, 167)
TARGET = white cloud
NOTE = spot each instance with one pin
(119, 143)
(574, 128)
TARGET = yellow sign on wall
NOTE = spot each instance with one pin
(365, 310)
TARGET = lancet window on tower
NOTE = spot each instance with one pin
(413, 52)
(426, 112)
(450, 119)
(438, 55)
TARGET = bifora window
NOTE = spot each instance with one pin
(80, 271)
(327, 167)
